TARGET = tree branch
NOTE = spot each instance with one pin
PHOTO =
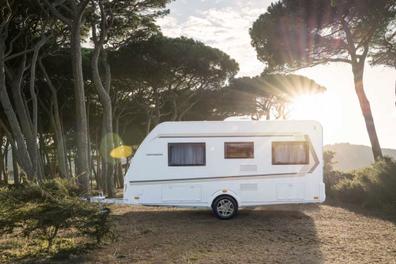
(13, 56)
(57, 14)
(349, 36)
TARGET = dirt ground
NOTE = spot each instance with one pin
(291, 234)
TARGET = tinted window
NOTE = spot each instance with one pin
(238, 150)
(290, 152)
(186, 154)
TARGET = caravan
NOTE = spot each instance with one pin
(226, 165)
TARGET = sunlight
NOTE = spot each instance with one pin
(307, 106)
(324, 108)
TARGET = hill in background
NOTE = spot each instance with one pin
(349, 157)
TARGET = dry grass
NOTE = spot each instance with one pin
(16, 248)
(288, 234)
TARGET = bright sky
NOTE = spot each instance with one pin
(225, 24)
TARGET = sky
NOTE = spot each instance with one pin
(224, 24)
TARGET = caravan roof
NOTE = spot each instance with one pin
(233, 128)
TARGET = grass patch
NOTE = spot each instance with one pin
(48, 221)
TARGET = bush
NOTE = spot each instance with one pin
(332, 177)
(40, 212)
(371, 187)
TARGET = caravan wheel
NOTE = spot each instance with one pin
(225, 207)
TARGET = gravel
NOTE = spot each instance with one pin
(280, 234)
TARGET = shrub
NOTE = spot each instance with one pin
(332, 177)
(371, 187)
(41, 211)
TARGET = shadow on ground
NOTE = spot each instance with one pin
(181, 236)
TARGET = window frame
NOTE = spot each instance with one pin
(186, 143)
(306, 150)
(239, 142)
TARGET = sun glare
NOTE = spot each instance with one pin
(321, 107)
(306, 106)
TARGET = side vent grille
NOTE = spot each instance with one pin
(248, 187)
(248, 167)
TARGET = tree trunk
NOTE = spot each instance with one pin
(107, 135)
(82, 159)
(4, 161)
(2, 156)
(70, 161)
(5, 157)
(15, 169)
(98, 174)
(57, 125)
(358, 70)
(17, 178)
(22, 151)
(35, 155)
(149, 121)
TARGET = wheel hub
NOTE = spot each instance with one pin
(225, 207)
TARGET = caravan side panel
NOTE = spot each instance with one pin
(252, 180)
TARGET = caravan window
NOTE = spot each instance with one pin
(238, 150)
(290, 152)
(186, 154)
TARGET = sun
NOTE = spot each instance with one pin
(321, 107)
(306, 106)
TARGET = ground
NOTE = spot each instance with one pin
(288, 234)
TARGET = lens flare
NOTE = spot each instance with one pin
(121, 152)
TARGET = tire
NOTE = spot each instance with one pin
(225, 207)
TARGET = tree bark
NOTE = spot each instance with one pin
(22, 150)
(2, 156)
(57, 125)
(15, 168)
(4, 161)
(17, 178)
(82, 159)
(107, 134)
(104, 96)
(358, 70)
(35, 155)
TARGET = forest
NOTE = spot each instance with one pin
(80, 79)
(83, 82)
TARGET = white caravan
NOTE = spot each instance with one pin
(225, 165)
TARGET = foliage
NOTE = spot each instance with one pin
(169, 76)
(266, 95)
(159, 60)
(371, 187)
(43, 212)
(295, 34)
(384, 52)
(332, 177)
(301, 33)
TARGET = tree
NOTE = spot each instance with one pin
(55, 118)
(384, 50)
(266, 95)
(24, 30)
(71, 14)
(172, 73)
(110, 20)
(294, 34)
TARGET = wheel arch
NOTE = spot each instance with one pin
(228, 193)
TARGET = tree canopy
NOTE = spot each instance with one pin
(266, 95)
(172, 73)
(301, 33)
(294, 34)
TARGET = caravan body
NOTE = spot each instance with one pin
(255, 162)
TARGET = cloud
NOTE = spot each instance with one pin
(224, 27)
